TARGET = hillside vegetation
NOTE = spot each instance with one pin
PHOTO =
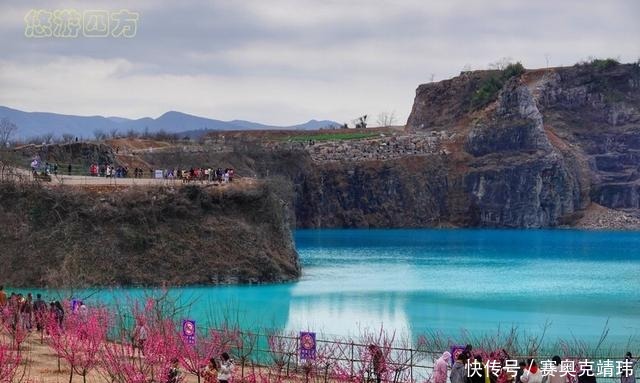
(65, 236)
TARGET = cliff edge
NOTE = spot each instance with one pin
(74, 237)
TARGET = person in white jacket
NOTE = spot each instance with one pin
(532, 373)
(226, 368)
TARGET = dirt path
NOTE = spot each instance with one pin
(42, 365)
(126, 182)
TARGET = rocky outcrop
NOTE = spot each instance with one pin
(515, 125)
(535, 191)
(597, 217)
(406, 192)
(552, 142)
(381, 148)
(440, 105)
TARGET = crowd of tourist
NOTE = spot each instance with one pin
(207, 174)
(23, 312)
(46, 168)
(201, 174)
(109, 170)
(467, 367)
(213, 372)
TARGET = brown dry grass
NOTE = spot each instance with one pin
(136, 143)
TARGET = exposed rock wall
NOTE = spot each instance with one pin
(553, 141)
(380, 149)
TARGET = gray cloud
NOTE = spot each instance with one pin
(285, 61)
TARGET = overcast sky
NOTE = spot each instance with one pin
(288, 61)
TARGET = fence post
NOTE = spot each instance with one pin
(411, 364)
(351, 360)
(242, 358)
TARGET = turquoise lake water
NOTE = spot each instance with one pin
(417, 281)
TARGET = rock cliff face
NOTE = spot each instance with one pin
(551, 143)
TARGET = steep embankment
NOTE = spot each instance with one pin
(513, 148)
(545, 146)
(65, 236)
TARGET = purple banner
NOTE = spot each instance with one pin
(189, 331)
(307, 345)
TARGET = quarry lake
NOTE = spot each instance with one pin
(420, 281)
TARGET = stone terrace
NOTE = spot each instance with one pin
(379, 148)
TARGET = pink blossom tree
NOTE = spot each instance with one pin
(10, 363)
(122, 364)
(211, 345)
(79, 340)
(12, 325)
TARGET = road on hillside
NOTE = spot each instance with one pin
(109, 181)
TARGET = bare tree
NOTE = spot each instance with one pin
(67, 137)
(99, 134)
(47, 138)
(501, 64)
(361, 122)
(114, 133)
(7, 129)
(386, 119)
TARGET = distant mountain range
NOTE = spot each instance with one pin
(33, 124)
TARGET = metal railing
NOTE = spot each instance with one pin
(344, 357)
